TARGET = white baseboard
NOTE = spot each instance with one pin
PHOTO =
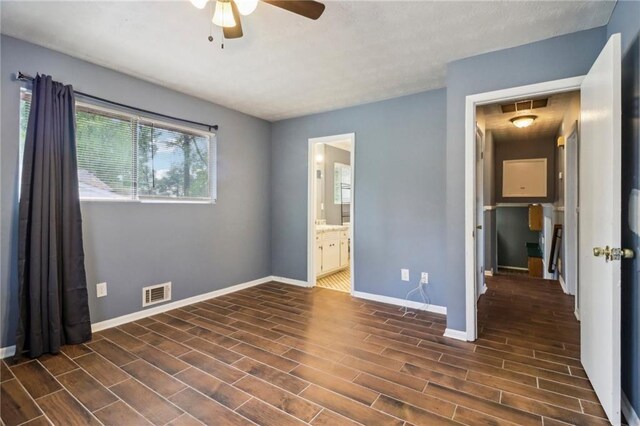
(576, 312)
(629, 413)
(563, 284)
(290, 281)
(173, 305)
(8, 351)
(401, 302)
(515, 268)
(483, 290)
(134, 316)
(488, 272)
(455, 334)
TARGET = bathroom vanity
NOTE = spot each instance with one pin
(332, 249)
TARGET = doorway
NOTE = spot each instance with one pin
(599, 196)
(523, 174)
(330, 224)
(484, 217)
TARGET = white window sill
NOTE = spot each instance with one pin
(108, 200)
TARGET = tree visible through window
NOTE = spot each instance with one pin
(172, 163)
(121, 156)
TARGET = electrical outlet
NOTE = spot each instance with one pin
(404, 274)
(424, 278)
(101, 289)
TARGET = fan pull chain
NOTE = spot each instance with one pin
(210, 38)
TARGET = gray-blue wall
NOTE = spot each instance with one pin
(200, 248)
(626, 20)
(512, 225)
(258, 226)
(560, 57)
(399, 192)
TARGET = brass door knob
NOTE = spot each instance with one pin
(613, 253)
(622, 253)
(601, 251)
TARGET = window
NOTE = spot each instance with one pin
(128, 157)
(341, 183)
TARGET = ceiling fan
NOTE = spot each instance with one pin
(227, 12)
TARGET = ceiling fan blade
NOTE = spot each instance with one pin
(233, 32)
(307, 8)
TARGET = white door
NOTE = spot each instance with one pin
(479, 213)
(599, 226)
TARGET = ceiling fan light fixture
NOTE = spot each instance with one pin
(200, 4)
(223, 15)
(246, 7)
(523, 121)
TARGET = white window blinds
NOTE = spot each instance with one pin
(127, 157)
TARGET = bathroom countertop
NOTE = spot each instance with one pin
(331, 228)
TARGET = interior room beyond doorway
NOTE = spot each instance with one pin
(332, 199)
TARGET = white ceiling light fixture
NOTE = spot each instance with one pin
(227, 13)
(223, 15)
(523, 121)
(246, 7)
(200, 4)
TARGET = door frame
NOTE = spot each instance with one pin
(473, 101)
(571, 203)
(480, 254)
(311, 208)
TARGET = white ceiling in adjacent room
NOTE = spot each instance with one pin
(285, 65)
(546, 124)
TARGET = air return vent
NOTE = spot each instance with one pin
(524, 105)
(156, 294)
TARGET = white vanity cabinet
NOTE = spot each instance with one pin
(344, 252)
(318, 257)
(332, 251)
(330, 255)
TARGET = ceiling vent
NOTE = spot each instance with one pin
(524, 105)
(156, 294)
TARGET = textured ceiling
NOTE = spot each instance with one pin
(287, 66)
(546, 125)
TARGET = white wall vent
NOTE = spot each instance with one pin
(156, 294)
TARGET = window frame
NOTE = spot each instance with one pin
(149, 120)
(338, 190)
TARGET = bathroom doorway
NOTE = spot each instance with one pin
(330, 218)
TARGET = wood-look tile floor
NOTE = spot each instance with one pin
(283, 355)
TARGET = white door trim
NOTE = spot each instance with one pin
(472, 101)
(571, 202)
(311, 210)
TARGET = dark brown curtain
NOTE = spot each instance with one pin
(54, 308)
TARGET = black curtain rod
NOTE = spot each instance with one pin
(25, 77)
